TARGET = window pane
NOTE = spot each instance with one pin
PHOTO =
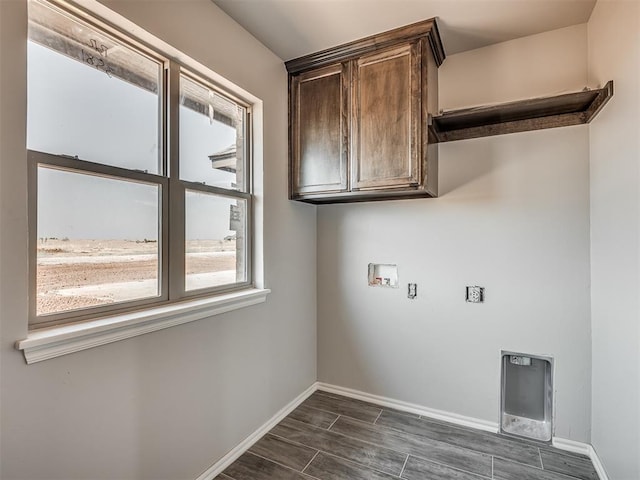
(215, 240)
(211, 137)
(97, 241)
(90, 96)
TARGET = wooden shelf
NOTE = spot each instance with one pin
(522, 116)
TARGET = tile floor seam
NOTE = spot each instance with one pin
(333, 423)
(404, 466)
(320, 410)
(419, 456)
(395, 451)
(440, 442)
(562, 476)
(337, 456)
(553, 469)
(457, 469)
(369, 443)
(551, 450)
(311, 408)
(517, 462)
(361, 465)
(349, 437)
(408, 433)
(470, 430)
(374, 422)
(404, 453)
(309, 462)
(466, 429)
(294, 442)
(458, 446)
(225, 474)
(282, 465)
(331, 395)
(337, 396)
(366, 404)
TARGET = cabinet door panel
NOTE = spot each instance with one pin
(386, 119)
(320, 131)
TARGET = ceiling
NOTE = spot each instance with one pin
(293, 28)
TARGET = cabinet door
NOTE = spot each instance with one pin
(320, 130)
(386, 119)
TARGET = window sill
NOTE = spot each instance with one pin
(61, 340)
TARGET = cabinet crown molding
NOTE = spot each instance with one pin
(348, 51)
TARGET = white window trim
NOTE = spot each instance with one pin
(55, 341)
(47, 343)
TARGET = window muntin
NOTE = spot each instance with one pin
(142, 196)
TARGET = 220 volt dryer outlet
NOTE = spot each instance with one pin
(475, 294)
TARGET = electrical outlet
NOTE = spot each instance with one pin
(475, 294)
(412, 291)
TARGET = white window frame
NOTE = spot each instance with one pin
(65, 332)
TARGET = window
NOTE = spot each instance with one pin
(139, 179)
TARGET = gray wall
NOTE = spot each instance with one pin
(164, 405)
(513, 216)
(614, 53)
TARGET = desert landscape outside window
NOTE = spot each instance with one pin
(119, 219)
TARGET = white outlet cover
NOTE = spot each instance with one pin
(475, 294)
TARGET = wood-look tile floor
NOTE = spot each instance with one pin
(330, 437)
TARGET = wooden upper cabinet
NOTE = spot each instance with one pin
(359, 118)
(320, 130)
(386, 119)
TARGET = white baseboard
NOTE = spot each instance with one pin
(602, 473)
(584, 449)
(412, 408)
(572, 446)
(218, 467)
(456, 419)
